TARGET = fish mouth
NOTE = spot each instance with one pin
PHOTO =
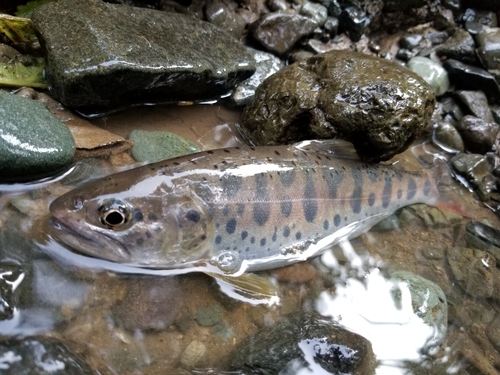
(98, 246)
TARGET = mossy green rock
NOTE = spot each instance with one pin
(104, 56)
(378, 105)
(153, 146)
(33, 143)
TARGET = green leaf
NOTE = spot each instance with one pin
(27, 10)
(21, 70)
(19, 32)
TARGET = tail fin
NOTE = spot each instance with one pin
(452, 196)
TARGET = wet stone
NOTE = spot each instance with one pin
(316, 11)
(449, 106)
(476, 102)
(473, 167)
(278, 32)
(433, 253)
(341, 94)
(444, 20)
(222, 14)
(153, 146)
(432, 72)
(299, 338)
(470, 77)
(40, 356)
(428, 302)
(353, 22)
(389, 223)
(331, 26)
(488, 50)
(493, 332)
(411, 41)
(209, 315)
(483, 237)
(150, 303)
(478, 135)
(143, 55)
(33, 142)
(447, 137)
(193, 353)
(460, 46)
(267, 64)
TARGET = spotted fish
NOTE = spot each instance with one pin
(236, 209)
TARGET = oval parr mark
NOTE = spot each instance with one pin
(287, 177)
(357, 192)
(231, 184)
(231, 226)
(298, 235)
(286, 206)
(309, 202)
(371, 199)
(286, 231)
(337, 220)
(412, 189)
(261, 206)
(218, 240)
(427, 187)
(333, 180)
(244, 235)
(326, 225)
(263, 241)
(386, 193)
(399, 194)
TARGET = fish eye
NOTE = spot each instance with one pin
(114, 214)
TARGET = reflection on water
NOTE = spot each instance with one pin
(125, 320)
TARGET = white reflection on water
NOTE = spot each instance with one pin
(366, 306)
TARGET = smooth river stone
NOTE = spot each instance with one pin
(104, 56)
(33, 142)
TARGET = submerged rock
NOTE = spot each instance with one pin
(33, 143)
(101, 56)
(153, 146)
(304, 340)
(432, 72)
(376, 104)
(478, 135)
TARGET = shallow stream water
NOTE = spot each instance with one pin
(125, 323)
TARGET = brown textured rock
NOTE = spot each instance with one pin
(379, 106)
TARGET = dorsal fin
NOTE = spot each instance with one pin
(337, 148)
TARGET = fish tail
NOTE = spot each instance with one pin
(451, 196)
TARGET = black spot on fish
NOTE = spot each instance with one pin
(247, 249)
(298, 235)
(231, 184)
(387, 192)
(262, 206)
(193, 215)
(372, 173)
(240, 208)
(252, 240)
(148, 234)
(357, 192)
(286, 206)
(399, 194)
(139, 241)
(227, 151)
(336, 220)
(277, 152)
(286, 231)
(218, 240)
(138, 215)
(262, 241)
(210, 152)
(326, 225)
(333, 179)
(275, 237)
(371, 199)
(203, 237)
(412, 189)
(231, 226)
(309, 203)
(152, 216)
(244, 234)
(216, 166)
(225, 210)
(427, 187)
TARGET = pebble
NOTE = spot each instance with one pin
(478, 135)
(278, 32)
(316, 11)
(469, 77)
(448, 138)
(411, 41)
(153, 146)
(353, 22)
(209, 315)
(432, 72)
(193, 353)
(483, 237)
(267, 64)
(389, 223)
(445, 21)
(460, 46)
(33, 142)
(428, 302)
(476, 102)
(224, 17)
(488, 50)
(449, 106)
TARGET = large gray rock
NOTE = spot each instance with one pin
(376, 104)
(101, 56)
(33, 142)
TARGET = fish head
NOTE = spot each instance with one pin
(162, 226)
